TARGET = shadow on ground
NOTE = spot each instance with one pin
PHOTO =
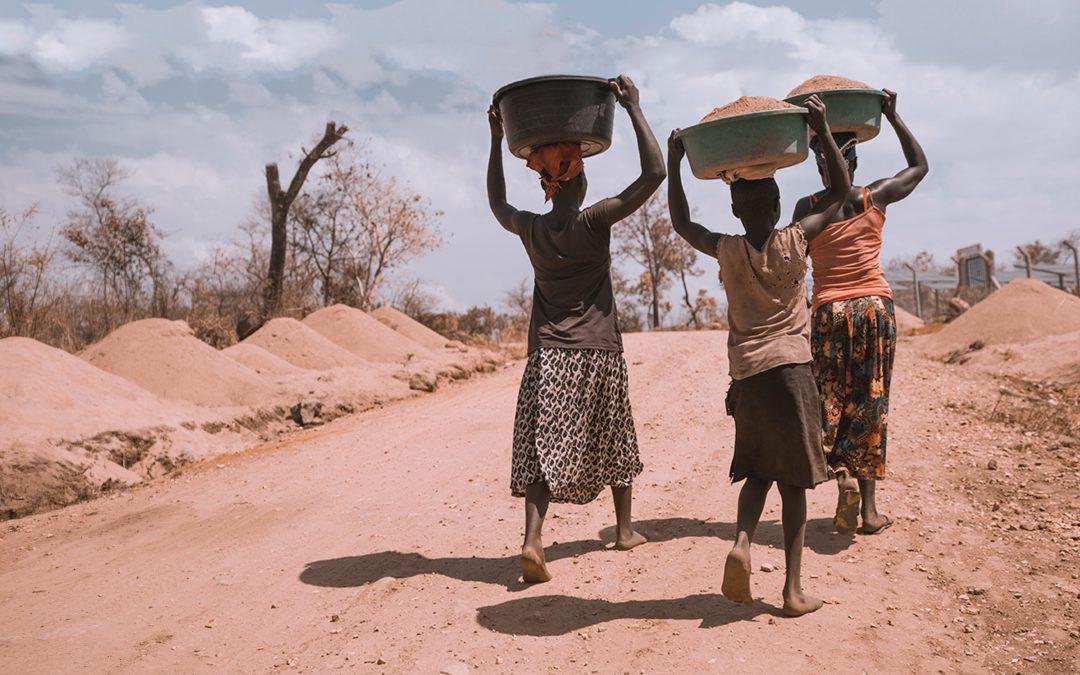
(360, 570)
(821, 538)
(551, 615)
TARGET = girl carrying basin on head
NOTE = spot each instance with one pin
(574, 430)
(853, 337)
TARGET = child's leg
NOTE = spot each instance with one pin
(736, 584)
(796, 603)
(872, 521)
(533, 565)
(625, 536)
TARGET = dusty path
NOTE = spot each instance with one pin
(385, 542)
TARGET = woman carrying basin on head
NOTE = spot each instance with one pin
(853, 334)
(574, 430)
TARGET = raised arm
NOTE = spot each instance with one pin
(507, 215)
(836, 172)
(696, 235)
(652, 159)
(889, 190)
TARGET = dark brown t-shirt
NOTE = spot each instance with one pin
(573, 304)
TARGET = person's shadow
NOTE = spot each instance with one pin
(550, 615)
(821, 537)
(361, 570)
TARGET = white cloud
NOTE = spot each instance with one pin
(198, 98)
(15, 38)
(73, 45)
(737, 22)
(271, 44)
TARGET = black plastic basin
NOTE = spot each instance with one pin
(557, 109)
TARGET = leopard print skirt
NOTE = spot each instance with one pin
(574, 429)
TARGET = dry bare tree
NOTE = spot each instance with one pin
(518, 303)
(27, 294)
(113, 238)
(385, 225)
(280, 202)
(648, 239)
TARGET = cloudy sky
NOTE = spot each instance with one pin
(195, 97)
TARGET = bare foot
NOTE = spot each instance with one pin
(875, 524)
(797, 604)
(533, 567)
(626, 543)
(736, 586)
(846, 519)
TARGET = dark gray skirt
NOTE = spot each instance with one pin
(778, 427)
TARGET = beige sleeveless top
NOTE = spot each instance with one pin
(769, 324)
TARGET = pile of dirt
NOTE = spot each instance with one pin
(410, 328)
(826, 83)
(1025, 309)
(165, 358)
(260, 360)
(362, 335)
(746, 105)
(1054, 358)
(46, 392)
(907, 322)
(301, 346)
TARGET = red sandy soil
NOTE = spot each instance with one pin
(826, 83)
(746, 105)
(260, 360)
(44, 389)
(362, 335)
(385, 541)
(165, 357)
(409, 327)
(1024, 309)
(302, 346)
(906, 322)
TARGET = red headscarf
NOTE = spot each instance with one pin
(556, 163)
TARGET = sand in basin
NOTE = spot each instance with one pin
(260, 360)
(906, 321)
(410, 327)
(301, 346)
(826, 83)
(164, 357)
(747, 105)
(1023, 310)
(46, 392)
(362, 335)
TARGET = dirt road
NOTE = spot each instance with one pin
(385, 542)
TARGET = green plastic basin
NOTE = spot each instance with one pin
(772, 138)
(856, 111)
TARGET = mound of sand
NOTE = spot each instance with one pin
(746, 105)
(362, 335)
(410, 328)
(906, 321)
(165, 357)
(1023, 310)
(260, 360)
(46, 392)
(1054, 358)
(826, 83)
(301, 346)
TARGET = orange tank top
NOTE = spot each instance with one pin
(847, 257)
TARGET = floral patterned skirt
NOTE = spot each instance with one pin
(854, 344)
(574, 429)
